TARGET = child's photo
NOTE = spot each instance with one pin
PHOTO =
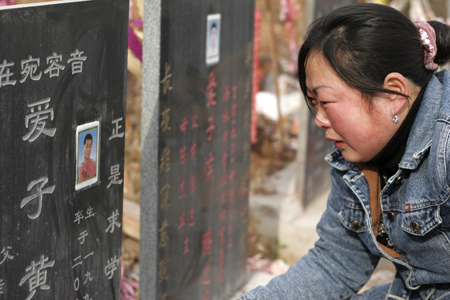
(87, 154)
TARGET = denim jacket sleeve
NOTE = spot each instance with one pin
(336, 268)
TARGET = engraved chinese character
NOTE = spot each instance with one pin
(164, 162)
(234, 91)
(225, 137)
(193, 151)
(39, 183)
(29, 69)
(54, 68)
(88, 277)
(113, 222)
(226, 116)
(206, 294)
(223, 214)
(186, 245)
(39, 113)
(191, 217)
(90, 212)
(223, 179)
(221, 272)
(78, 217)
(111, 266)
(116, 127)
(83, 236)
(115, 174)
(182, 190)
(222, 234)
(164, 195)
(2, 284)
(207, 242)
(226, 93)
(5, 254)
(222, 257)
(209, 171)
(183, 126)
(5, 74)
(78, 261)
(162, 273)
(86, 297)
(182, 222)
(183, 158)
(194, 121)
(206, 270)
(36, 275)
(77, 61)
(166, 80)
(210, 128)
(212, 84)
(163, 237)
(224, 159)
(233, 134)
(165, 118)
(192, 184)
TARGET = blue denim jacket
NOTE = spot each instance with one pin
(347, 252)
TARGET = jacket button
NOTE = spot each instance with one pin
(356, 225)
(414, 226)
(391, 216)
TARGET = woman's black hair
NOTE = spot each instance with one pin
(363, 43)
(87, 137)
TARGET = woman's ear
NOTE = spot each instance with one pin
(396, 82)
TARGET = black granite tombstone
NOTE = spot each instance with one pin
(62, 121)
(204, 149)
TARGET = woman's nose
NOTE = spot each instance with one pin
(321, 119)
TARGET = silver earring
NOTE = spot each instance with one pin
(395, 116)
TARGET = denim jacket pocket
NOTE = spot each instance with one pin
(352, 216)
(422, 221)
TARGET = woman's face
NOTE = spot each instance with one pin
(360, 132)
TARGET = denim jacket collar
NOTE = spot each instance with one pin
(419, 140)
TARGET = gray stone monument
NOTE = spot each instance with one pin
(197, 77)
(62, 119)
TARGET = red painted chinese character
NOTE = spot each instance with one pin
(207, 242)
(192, 184)
(226, 116)
(232, 147)
(209, 171)
(223, 180)
(210, 128)
(206, 280)
(183, 158)
(183, 126)
(232, 173)
(223, 214)
(182, 190)
(182, 222)
(226, 93)
(212, 84)
(225, 137)
(233, 133)
(194, 122)
(231, 196)
(191, 217)
(193, 151)
(222, 235)
(223, 198)
(234, 110)
(221, 275)
(222, 257)
(186, 245)
(234, 91)
(224, 159)
(206, 295)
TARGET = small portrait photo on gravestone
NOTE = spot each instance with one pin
(213, 39)
(87, 141)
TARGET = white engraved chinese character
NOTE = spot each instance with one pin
(5, 74)
(113, 222)
(116, 128)
(114, 178)
(80, 262)
(37, 119)
(29, 69)
(38, 195)
(77, 61)
(83, 236)
(76, 283)
(88, 277)
(112, 265)
(5, 253)
(2, 283)
(90, 212)
(78, 217)
(86, 297)
(37, 276)
(54, 68)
